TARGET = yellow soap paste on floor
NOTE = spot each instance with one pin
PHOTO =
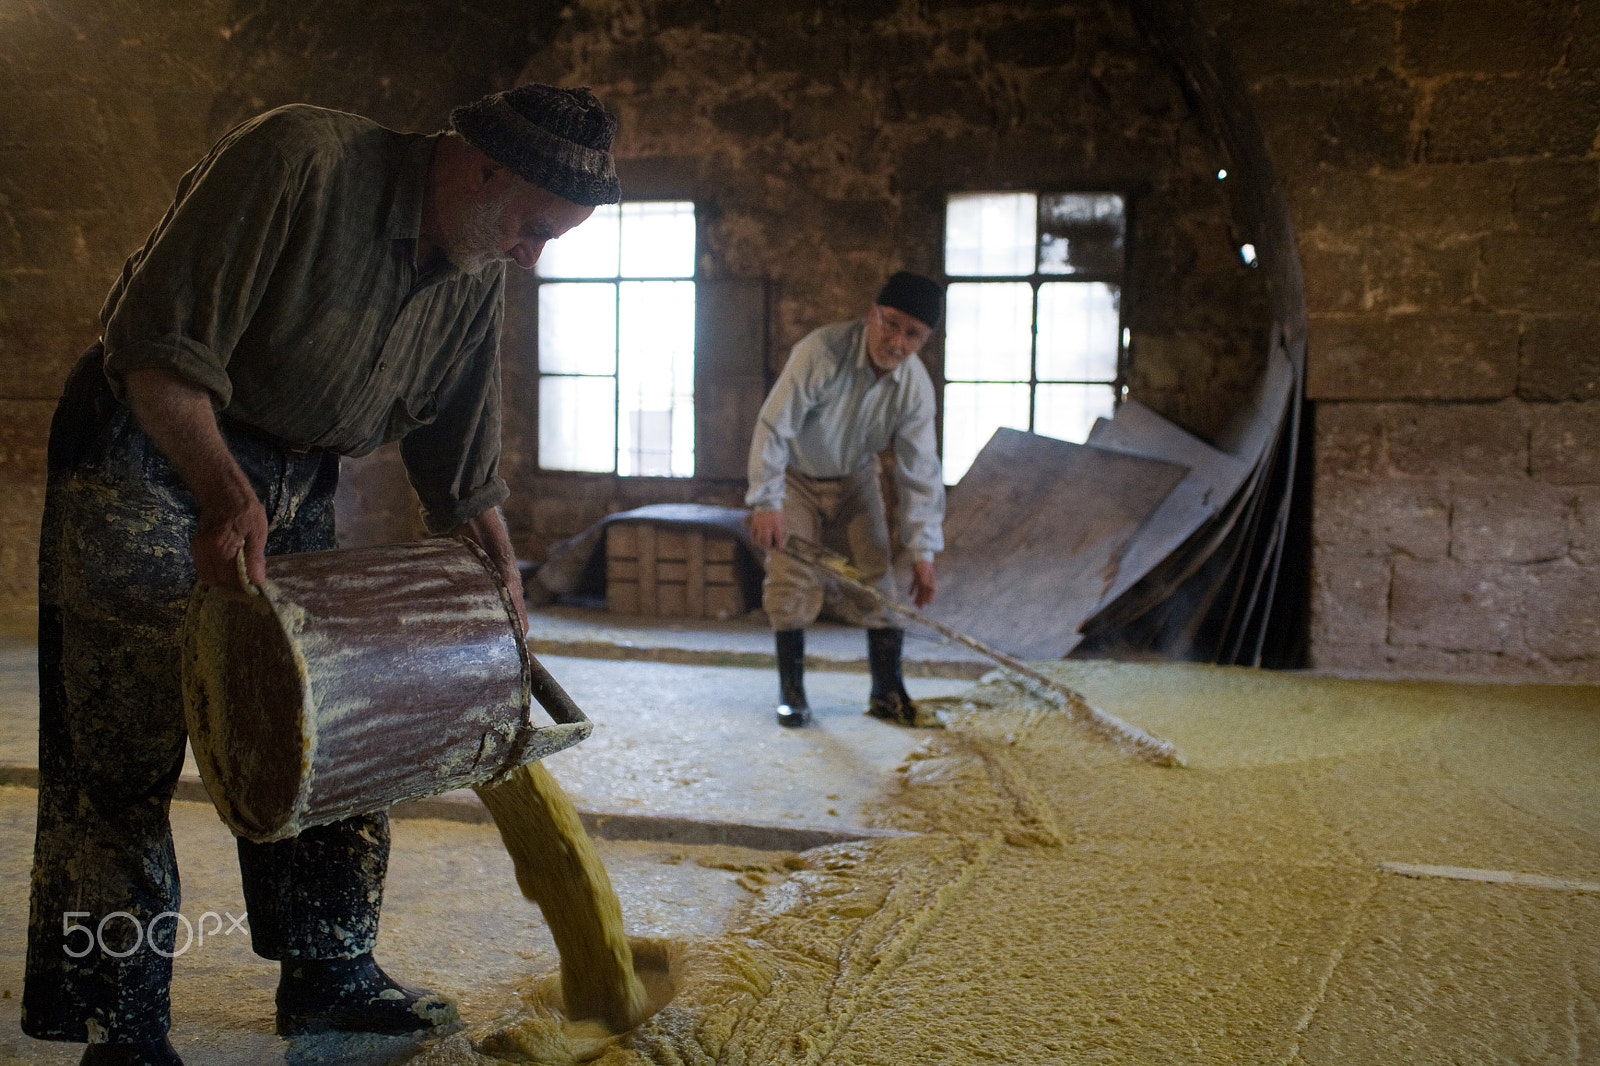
(1064, 904)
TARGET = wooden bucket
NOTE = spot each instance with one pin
(356, 679)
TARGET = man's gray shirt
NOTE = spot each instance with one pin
(829, 414)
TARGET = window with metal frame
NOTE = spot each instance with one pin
(617, 341)
(1033, 316)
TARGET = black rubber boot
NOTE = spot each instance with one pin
(353, 996)
(792, 707)
(139, 1053)
(890, 700)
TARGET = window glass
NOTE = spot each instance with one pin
(1033, 324)
(1081, 233)
(658, 240)
(616, 355)
(655, 379)
(972, 412)
(588, 250)
(1078, 331)
(988, 331)
(1069, 411)
(990, 234)
(577, 328)
(577, 423)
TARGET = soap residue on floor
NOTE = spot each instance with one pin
(1063, 903)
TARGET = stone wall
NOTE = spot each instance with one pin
(1438, 157)
(1439, 160)
(821, 139)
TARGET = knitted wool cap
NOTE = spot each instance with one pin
(917, 296)
(559, 139)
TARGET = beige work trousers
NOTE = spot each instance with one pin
(845, 515)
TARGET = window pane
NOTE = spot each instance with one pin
(577, 328)
(588, 250)
(658, 239)
(655, 379)
(971, 415)
(989, 234)
(1069, 411)
(1081, 233)
(577, 418)
(1078, 330)
(988, 331)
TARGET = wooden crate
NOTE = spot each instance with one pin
(664, 570)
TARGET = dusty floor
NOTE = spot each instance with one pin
(1065, 905)
(1059, 904)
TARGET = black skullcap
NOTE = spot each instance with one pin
(921, 298)
(559, 139)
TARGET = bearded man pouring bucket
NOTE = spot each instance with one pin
(320, 286)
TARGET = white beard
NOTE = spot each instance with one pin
(475, 243)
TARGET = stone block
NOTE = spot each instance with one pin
(1349, 599)
(1347, 125)
(1514, 115)
(1555, 196)
(1438, 201)
(1583, 50)
(1422, 276)
(1541, 273)
(48, 118)
(1456, 606)
(1310, 41)
(947, 160)
(1560, 358)
(816, 57)
(67, 177)
(1509, 521)
(1483, 440)
(24, 432)
(1564, 448)
(1561, 612)
(1482, 36)
(749, 117)
(835, 113)
(1350, 439)
(1382, 517)
(1334, 277)
(1031, 42)
(954, 95)
(1435, 356)
(1583, 537)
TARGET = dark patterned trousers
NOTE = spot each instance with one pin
(114, 578)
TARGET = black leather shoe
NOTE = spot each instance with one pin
(139, 1053)
(793, 711)
(354, 996)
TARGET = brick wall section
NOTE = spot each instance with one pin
(1439, 159)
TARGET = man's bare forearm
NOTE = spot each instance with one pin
(488, 531)
(177, 415)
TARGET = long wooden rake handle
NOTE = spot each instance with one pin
(1127, 737)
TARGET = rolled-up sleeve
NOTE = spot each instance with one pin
(453, 461)
(184, 300)
(919, 476)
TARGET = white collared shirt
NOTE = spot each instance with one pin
(829, 413)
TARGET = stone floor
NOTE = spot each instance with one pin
(685, 760)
